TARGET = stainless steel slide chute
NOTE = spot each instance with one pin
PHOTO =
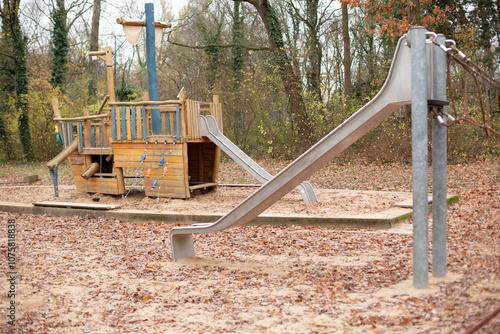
(395, 93)
(210, 130)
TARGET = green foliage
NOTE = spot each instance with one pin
(14, 37)
(237, 38)
(126, 91)
(3, 130)
(42, 131)
(59, 45)
(259, 115)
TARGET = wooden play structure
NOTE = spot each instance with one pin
(140, 136)
(173, 147)
(160, 141)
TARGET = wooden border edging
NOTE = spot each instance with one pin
(381, 220)
(177, 218)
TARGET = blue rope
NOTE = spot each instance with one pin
(95, 75)
(88, 83)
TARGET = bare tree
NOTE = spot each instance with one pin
(94, 43)
(291, 82)
(347, 57)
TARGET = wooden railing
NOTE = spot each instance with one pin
(133, 120)
(128, 121)
(90, 131)
(196, 108)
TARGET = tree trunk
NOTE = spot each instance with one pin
(237, 67)
(94, 45)
(347, 57)
(94, 33)
(60, 45)
(414, 12)
(291, 82)
(10, 16)
(313, 49)
(214, 55)
(237, 37)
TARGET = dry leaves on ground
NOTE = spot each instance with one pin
(107, 276)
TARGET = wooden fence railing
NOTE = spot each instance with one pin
(90, 131)
(132, 120)
(127, 121)
(195, 109)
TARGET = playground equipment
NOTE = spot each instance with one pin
(128, 141)
(210, 130)
(417, 76)
(176, 143)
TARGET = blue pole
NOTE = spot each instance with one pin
(151, 66)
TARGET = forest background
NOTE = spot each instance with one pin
(287, 71)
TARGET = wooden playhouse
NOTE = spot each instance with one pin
(159, 143)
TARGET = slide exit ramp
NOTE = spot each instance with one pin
(395, 92)
(210, 130)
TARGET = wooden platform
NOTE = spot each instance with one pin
(91, 206)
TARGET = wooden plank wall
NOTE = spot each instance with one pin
(104, 185)
(201, 162)
(193, 119)
(128, 155)
(196, 108)
(216, 111)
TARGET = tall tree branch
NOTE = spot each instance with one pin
(229, 45)
(7, 55)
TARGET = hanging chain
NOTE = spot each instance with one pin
(460, 57)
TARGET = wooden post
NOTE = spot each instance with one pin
(55, 108)
(62, 156)
(184, 144)
(217, 148)
(87, 131)
(57, 114)
(109, 74)
(120, 180)
(182, 98)
(93, 168)
(110, 78)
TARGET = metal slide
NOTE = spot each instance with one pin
(210, 130)
(395, 93)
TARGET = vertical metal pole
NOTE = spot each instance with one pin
(151, 66)
(419, 157)
(439, 164)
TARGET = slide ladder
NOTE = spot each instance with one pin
(210, 130)
(395, 93)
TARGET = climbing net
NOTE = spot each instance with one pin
(162, 165)
(476, 72)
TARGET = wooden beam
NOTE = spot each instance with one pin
(91, 170)
(82, 118)
(131, 22)
(87, 131)
(63, 155)
(142, 103)
(109, 74)
(55, 108)
(97, 150)
(78, 205)
(120, 180)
